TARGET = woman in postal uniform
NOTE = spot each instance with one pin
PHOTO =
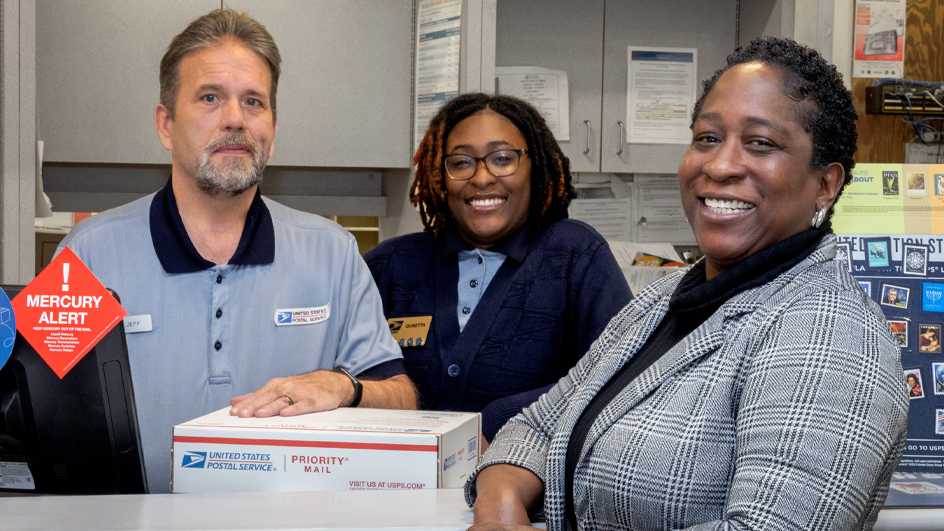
(514, 292)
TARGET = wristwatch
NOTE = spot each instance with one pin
(358, 386)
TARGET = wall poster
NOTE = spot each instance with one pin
(890, 225)
(437, 61)
(879, 48)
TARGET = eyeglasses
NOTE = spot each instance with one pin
(501, 163)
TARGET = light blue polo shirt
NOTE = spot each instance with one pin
(216, 329)
(477, 268)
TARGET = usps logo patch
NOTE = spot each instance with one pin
(194, 460)
(302, 316)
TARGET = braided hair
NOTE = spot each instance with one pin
(825, 109)
(551, 188)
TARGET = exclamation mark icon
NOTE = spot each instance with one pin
(65, 277)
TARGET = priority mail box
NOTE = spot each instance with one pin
(344, 449)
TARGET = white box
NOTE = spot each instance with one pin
(344, 449)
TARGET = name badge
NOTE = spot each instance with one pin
(302, 316)
(410, 331)
(135, 324)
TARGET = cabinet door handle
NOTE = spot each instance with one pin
(622, 129)
(587, 123)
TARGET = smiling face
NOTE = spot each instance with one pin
(488, 208)
(747, 180)
(222, 132)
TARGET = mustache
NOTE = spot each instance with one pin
(233, 139)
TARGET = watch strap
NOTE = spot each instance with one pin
(358, 386)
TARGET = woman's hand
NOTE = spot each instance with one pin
(505, 494)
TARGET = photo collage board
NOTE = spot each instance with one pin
(904, 274)
(890, 223)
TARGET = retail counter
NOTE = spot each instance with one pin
(419, 510)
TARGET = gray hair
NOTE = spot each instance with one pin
(207, 31)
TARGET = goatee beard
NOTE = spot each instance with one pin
(236, 174)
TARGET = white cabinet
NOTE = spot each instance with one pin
(563, 35)
(707, 26)
(96, 76)
(589, 40)
(344, 94)
(343, 100)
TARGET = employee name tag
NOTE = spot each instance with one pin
(135, 324)
(410, 331)
(302, 316)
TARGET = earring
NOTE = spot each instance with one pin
(818, 218)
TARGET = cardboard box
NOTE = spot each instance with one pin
(344, 449)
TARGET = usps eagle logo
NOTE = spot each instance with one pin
(194, 460)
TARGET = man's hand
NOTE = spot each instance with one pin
(294, 395)
(322, 391)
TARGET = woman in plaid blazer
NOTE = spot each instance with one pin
(759, 390)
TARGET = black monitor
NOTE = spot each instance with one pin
(77, 435)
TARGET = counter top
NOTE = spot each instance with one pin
(419, 510)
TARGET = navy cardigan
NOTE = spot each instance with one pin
(554, 294)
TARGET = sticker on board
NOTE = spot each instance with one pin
(7, 328)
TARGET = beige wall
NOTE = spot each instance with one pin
(17, 139)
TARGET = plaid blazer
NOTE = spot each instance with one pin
(786, 409)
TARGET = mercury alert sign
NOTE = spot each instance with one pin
(64, 311)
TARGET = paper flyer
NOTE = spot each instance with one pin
(605, 204)
(660, 94)
(437, 60)
(659, 213)
(892, 199)
(545, 89)
(879, 38)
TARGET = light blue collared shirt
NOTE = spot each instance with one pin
(218, 332)
(476, 269)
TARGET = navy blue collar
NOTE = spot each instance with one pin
(176, 251)
(514, 247)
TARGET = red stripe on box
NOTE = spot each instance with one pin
(307, 444)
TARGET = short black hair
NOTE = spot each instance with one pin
(830, 117)
(551, 187)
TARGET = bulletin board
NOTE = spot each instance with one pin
(890, 225)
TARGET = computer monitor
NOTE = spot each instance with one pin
(77, 435)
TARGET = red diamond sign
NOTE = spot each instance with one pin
(64, 311)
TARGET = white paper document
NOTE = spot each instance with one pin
(543, 88)
(607, 206)
(437, 60)
(612, 218)
(659, 213)
(660, 94)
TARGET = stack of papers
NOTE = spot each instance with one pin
(638, 277)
